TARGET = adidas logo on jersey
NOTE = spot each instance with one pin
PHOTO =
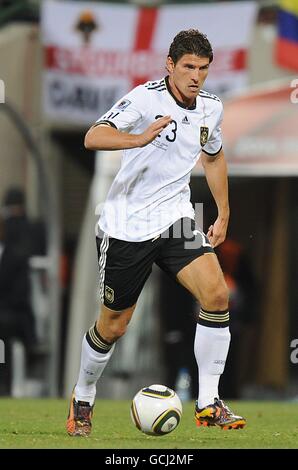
(185, 120)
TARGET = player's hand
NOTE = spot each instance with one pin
(217, 232)
(153, 130)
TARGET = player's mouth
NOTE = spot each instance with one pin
(194, 88)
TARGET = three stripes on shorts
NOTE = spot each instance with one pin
(102, 264)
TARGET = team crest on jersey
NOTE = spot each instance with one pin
(109, 294)
(204, 132)
(123, 105)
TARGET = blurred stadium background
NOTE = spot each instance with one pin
(59, 72)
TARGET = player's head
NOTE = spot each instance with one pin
(190, 41)
(188, 62)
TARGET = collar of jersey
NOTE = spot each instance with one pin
(180, 103)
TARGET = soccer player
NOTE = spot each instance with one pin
(163, 128)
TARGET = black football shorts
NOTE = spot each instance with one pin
(125, 266)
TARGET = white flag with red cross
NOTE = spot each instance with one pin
(94, 53)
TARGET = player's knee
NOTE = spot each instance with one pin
(217, 298)
(221, 297)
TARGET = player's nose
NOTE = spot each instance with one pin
(195, 76)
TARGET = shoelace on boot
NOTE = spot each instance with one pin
(225, 409)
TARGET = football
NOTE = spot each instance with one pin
(156, 410)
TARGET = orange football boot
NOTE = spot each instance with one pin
(218, 414)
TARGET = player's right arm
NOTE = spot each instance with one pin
(103, 136)
(114, 130)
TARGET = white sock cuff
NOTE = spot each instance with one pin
(207, 331)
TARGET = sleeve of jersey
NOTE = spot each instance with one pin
(214, 144)
(128, 111)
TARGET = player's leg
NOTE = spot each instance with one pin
(203, 277)
(188, 256)
(97, 348)
(123, 270)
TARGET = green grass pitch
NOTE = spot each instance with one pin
(40, 423)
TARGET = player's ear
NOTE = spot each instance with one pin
(170, 64)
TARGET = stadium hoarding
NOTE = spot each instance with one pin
(260, 133)
(94, 53)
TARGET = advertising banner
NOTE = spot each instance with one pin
(94, 53)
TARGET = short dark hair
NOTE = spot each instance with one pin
(190, 41)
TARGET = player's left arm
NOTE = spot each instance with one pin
(216, 174)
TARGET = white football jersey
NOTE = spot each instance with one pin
(151, 190)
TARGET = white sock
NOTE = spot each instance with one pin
(92, 366)
(211, 349)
